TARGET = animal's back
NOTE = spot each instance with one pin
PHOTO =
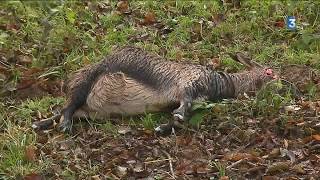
(154, 70)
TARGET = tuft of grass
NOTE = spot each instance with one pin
(3, 115)
(109, 128)
(17, 136)
(269, 100)
(28, 109)
(13, 144)
(148, 122)
(221, 168)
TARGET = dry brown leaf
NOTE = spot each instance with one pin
(32, 71)
(217, 19)
(13, 27)
(123, 7)
(30, 153)
(239, 156)
(224, 178)
(25, 83)
(197, 28)
(202, 169)
(286, 144)
(184, 167)
(66, 50)
(279, 23)
(179, 55)
(96, 177)
(24, 59)
(278, 167)
(298, 169)
(216, 62)
(52, 87)
(316, 137)
(274, 153)
(183, 140)
(33, 176)
(149, 18)
(307, 139)
(124, 130)
(270, 178)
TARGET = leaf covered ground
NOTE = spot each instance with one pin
(270, 135)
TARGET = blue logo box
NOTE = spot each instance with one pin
(291, 22)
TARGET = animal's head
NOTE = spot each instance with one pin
(262, 73)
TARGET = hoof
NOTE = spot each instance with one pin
(166, 129)
(65, 125)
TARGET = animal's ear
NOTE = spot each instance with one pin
(244, 59)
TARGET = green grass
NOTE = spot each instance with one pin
(16, 135)
(64, 36)
(148, 122)
(109, 128)
(13, 143)
(220, 167)
(29, 109)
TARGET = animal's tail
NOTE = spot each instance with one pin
(77, 89)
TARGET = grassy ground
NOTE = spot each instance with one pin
(42, 42)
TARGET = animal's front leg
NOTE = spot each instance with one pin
(183, 110)
(179, 114)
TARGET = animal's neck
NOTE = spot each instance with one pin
(245, 82)
(224, 85)
(221, 86)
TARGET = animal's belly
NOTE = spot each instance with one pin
(133, 108)
(116, 94)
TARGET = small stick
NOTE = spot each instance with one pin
(92, 142)
(158, 160)
(170, 163)
(236, 163)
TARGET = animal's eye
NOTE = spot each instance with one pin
(269, 72)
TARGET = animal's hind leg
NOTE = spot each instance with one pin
(66, 118)
(68, 111)
(68, 114)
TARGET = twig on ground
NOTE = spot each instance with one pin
(158, 160)
(170, 163)
(103, 138)
(236, 163)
